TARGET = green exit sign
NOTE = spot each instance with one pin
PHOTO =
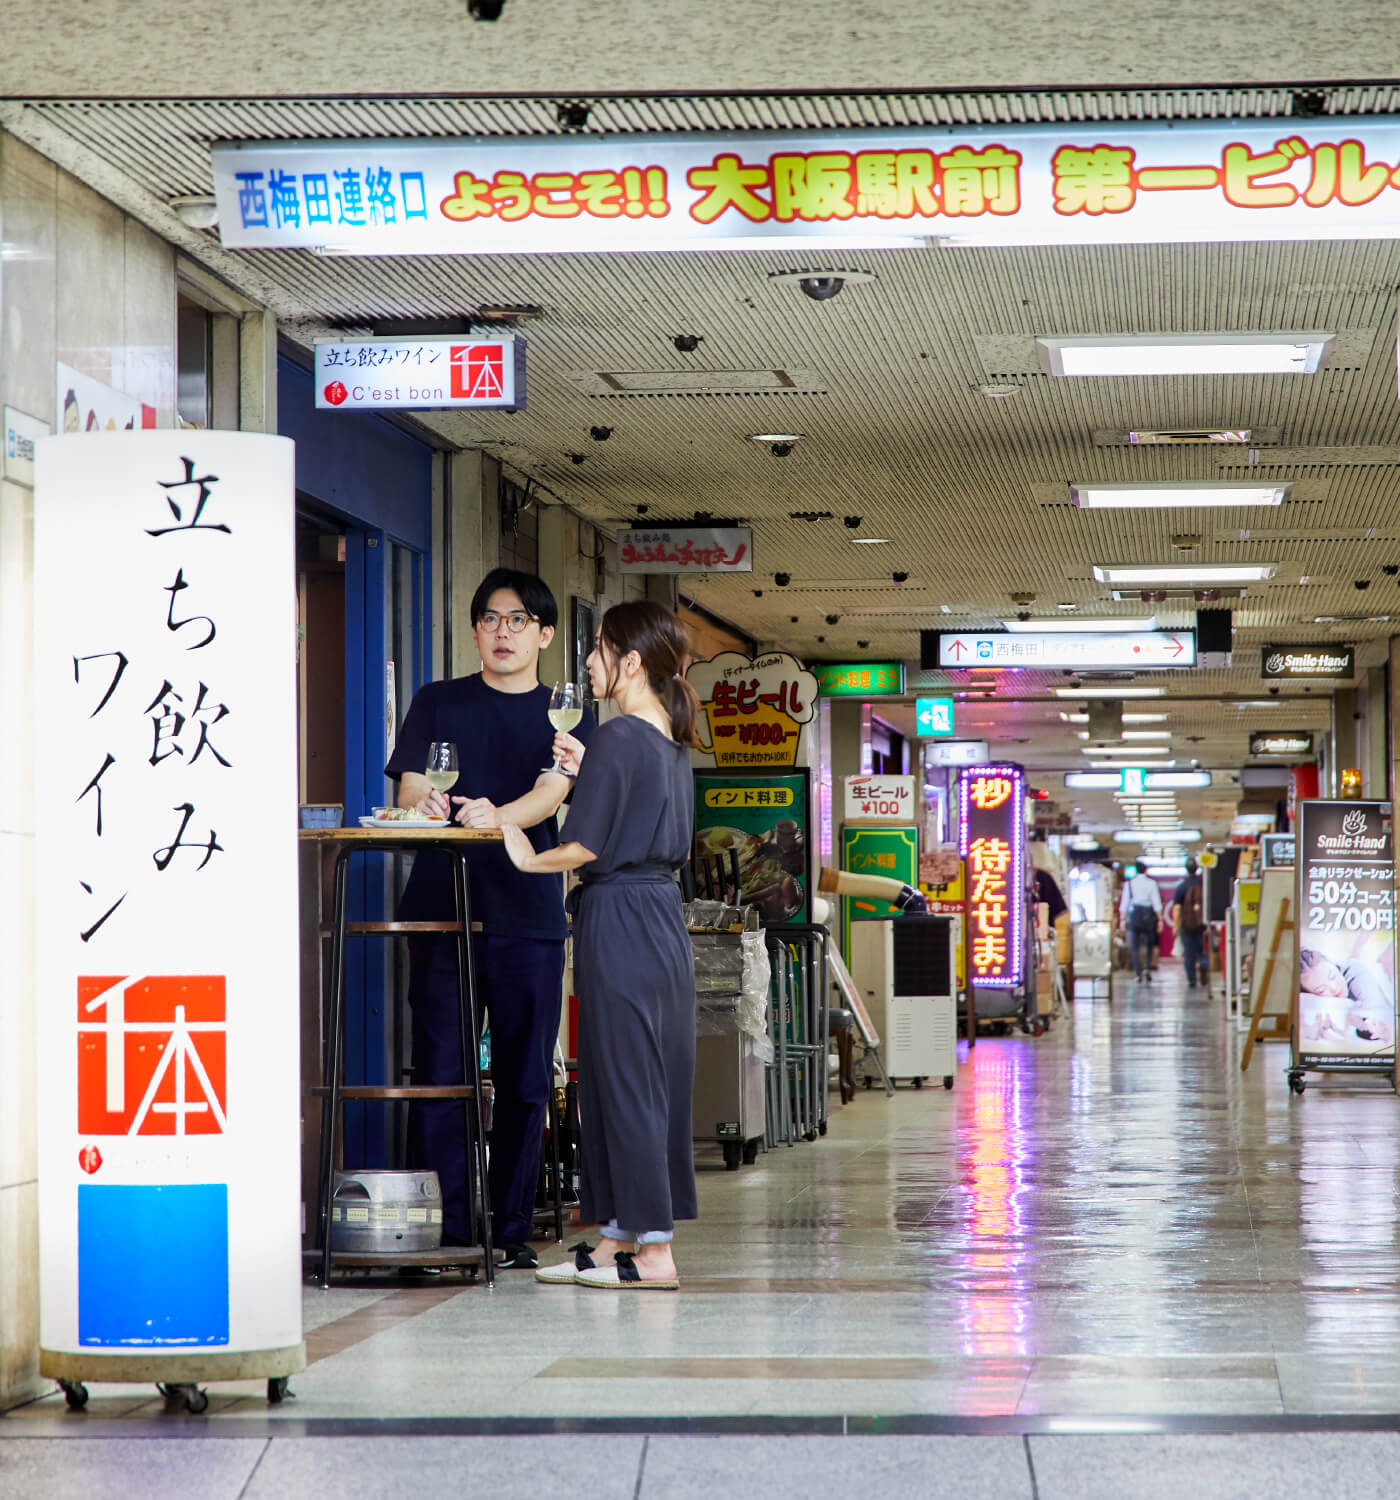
(859, 679)
(933, 717)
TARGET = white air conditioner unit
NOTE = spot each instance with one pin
(907, 972)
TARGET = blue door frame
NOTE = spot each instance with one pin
(378, 481)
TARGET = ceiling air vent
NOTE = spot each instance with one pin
(691, 382)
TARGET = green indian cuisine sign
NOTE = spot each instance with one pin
(870, 679)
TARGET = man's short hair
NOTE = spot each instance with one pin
(533, 592)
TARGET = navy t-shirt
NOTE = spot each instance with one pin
(504, 741)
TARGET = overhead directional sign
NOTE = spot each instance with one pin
(933, 716)
(1082, 651)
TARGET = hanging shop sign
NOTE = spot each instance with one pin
(1062, 184)
(1344, 1014)
(1276, 850)
(1281, 742)
(1307, 663)
(420, 374)
(879, 799)
(862, 679)
(165, 731)
(933, 717)
(752, 712)
(1073, 651)
(991, 838)
(764, 824)
(21, 435)
(956, 753)
(687, 549)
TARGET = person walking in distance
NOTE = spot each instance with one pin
(628, 830)
(1142, 910)
(1188, 915)
(498, 719)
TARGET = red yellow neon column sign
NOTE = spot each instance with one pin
(992, 839)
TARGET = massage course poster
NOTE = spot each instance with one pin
(1345, 1014)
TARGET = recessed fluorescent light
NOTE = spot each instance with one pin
(776, 437)
(1176, 836)
(1093, 779)
(1163, 872)
(1260, 703)
(1077, 718)
(869, 541)
(1125, 750)
(1188, 574)
(1074, 718)
(1147, 734)
(1080, 626)
(1110, 765)
(1174, 496)
(1189, 354)
(1178, 778)
(1111, 692)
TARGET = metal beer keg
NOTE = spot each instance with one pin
(375, 1210)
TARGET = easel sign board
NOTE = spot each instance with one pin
(1344, 1012)
(854, 1003)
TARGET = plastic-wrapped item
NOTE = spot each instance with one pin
(731, 987)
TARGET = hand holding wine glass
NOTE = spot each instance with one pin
(441, 776)
(565, 712)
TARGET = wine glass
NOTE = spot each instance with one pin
(441, 772)
(565, 711)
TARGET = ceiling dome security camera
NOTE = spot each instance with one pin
(899, 579)
(782, 579)
(780, 450)
(862, 644)
(821, 288)
(687, 343)
(852, 523)
(600, 434)
(485, 10)
(833, 619)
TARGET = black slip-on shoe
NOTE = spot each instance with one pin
(517, 1258)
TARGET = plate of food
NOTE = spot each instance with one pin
(771, 866)
(400, 817)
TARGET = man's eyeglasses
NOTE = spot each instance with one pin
(516, 621)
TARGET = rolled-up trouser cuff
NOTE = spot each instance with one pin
(646, 1237)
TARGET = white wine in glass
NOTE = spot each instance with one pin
(565, 712)
(441, 773)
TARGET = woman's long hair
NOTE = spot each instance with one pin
(659, 639)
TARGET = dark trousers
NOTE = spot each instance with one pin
(519, 991)
(1193, 955)
(1143, 939)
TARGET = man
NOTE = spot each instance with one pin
(1142, 911)
(498, 720)
(1188, 915)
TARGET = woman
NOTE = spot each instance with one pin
(628, 830)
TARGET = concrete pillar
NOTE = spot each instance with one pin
(1343, 740)
(472, 549)
(257, 373)
(554, 569)
(1375, 735)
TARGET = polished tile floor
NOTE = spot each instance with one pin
(1109, 1226)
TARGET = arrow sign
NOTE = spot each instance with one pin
(1076, 650)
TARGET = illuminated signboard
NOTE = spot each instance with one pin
(861, 679)
(1309, 662)
(165, 735)
(1280, 742)
(998, 183)
(420, 374)
(1079, 651)
(933, 716)
(991, 838)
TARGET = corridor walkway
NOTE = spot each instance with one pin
(1106, 1229)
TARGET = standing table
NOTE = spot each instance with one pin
(335, 1093)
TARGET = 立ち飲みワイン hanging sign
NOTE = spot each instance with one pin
(1061, 184)
(165, 754)
(420, 374)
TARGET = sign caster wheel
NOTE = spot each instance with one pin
(178, 1394)
(750, 1153)
(917, 1082)
(1295, 1083)
(75, 1393)
(277, 1390)
(821, 1129)
(733, 1154)
(947, 1080)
